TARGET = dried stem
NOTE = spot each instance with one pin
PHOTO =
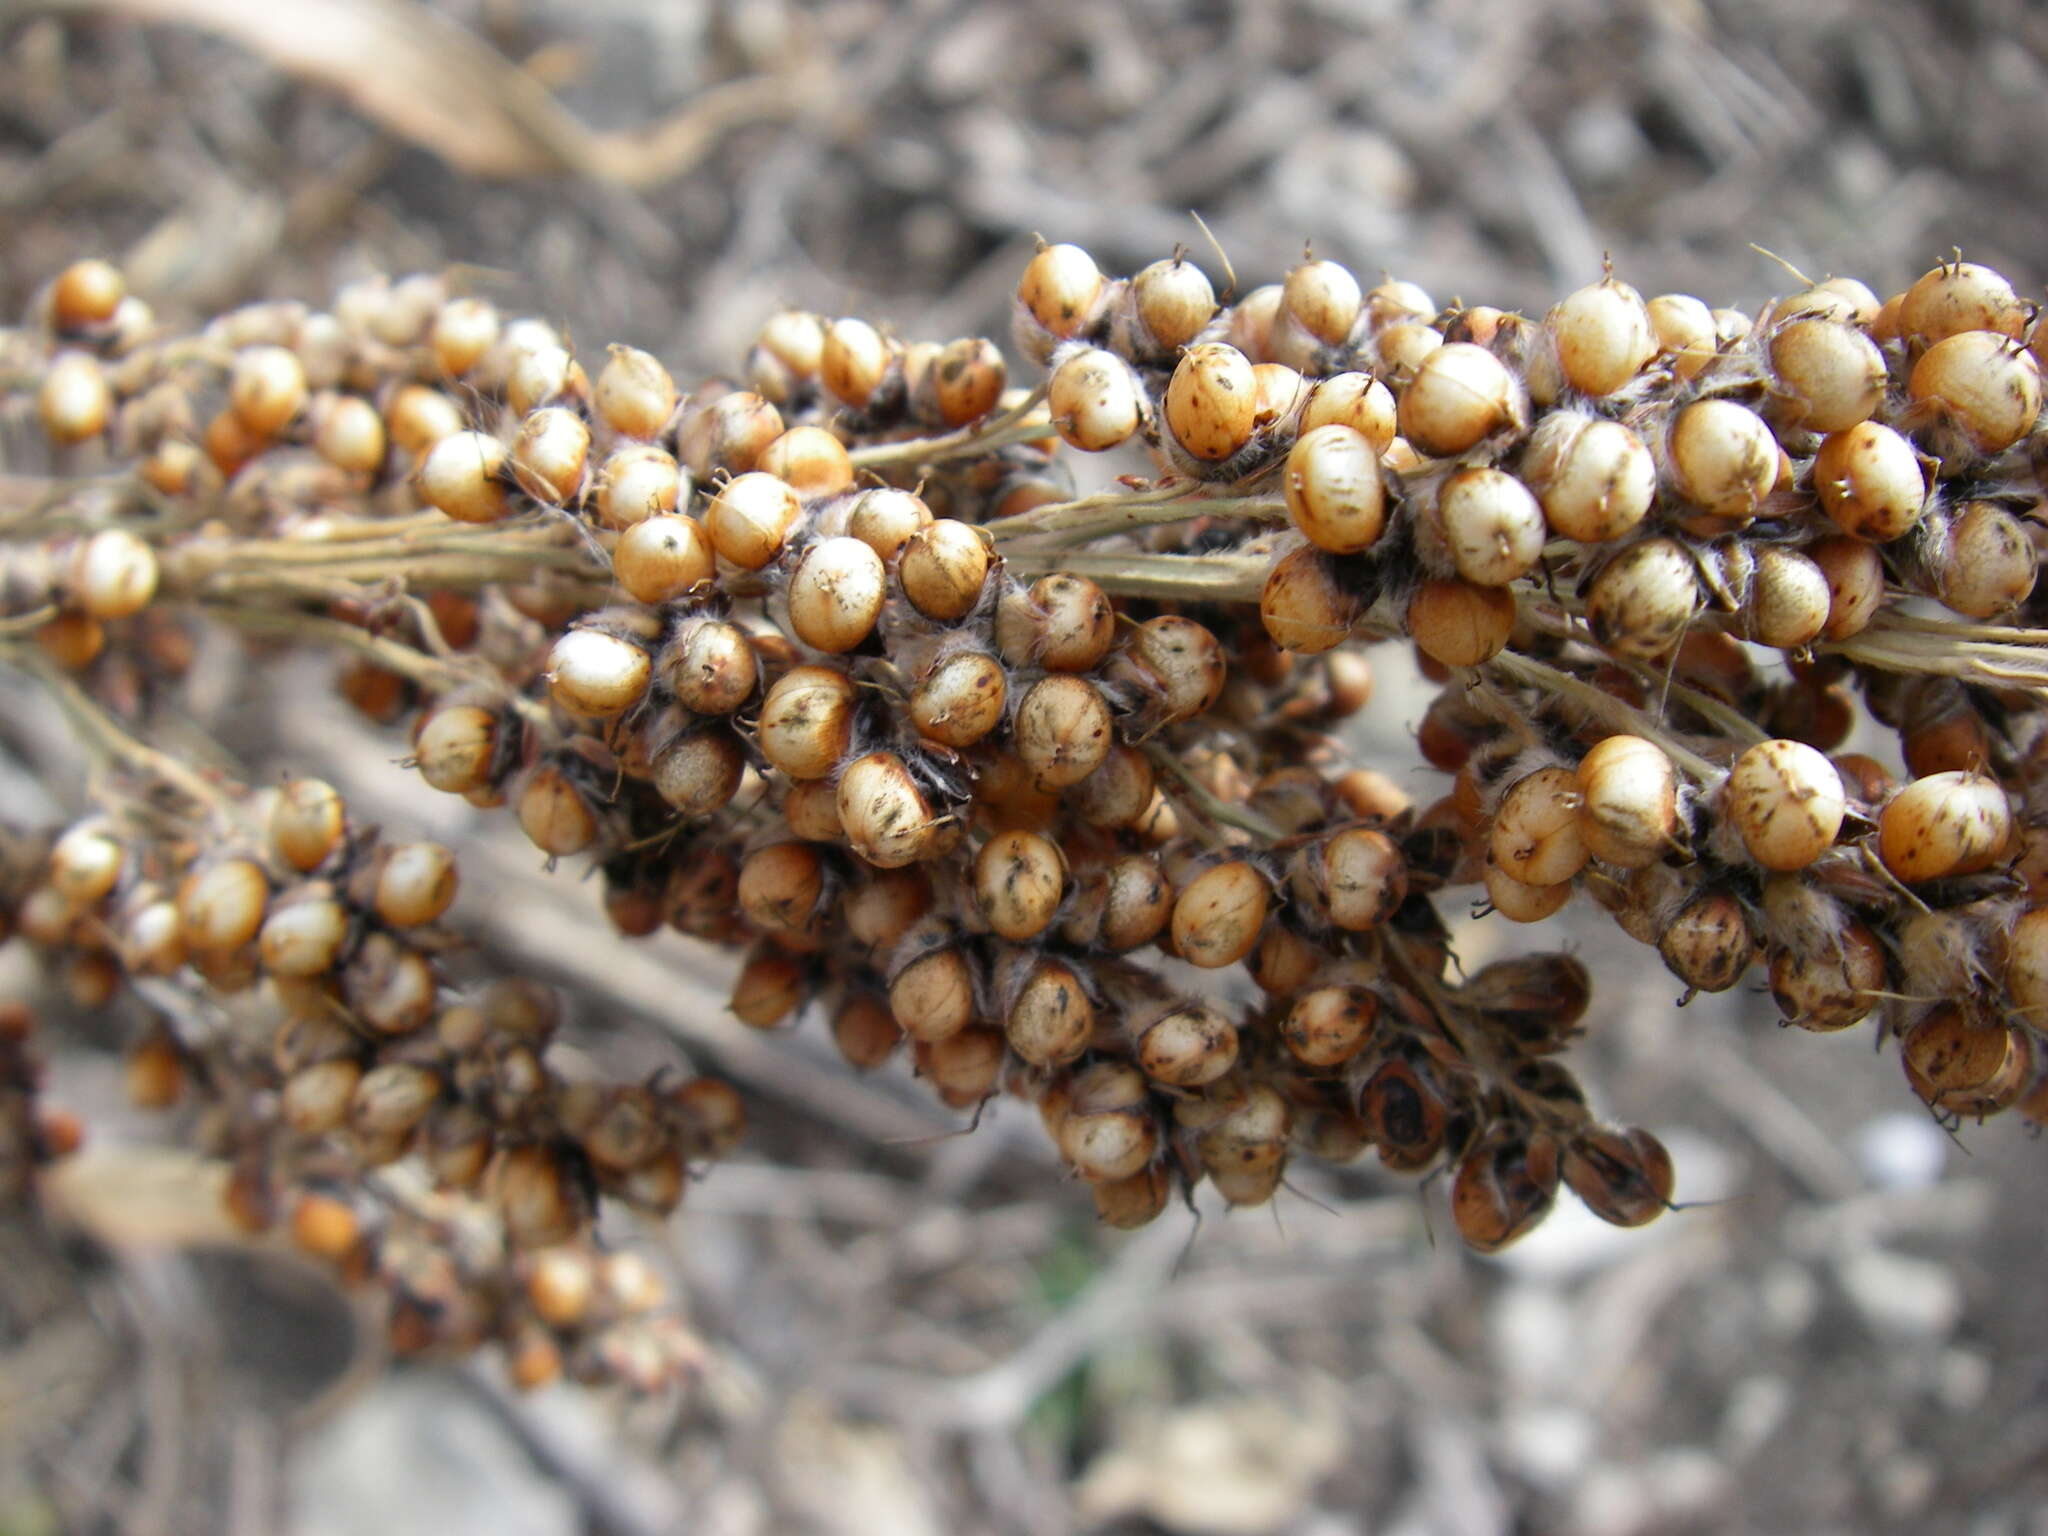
(105, 739)
(432, 673)
(997, 432)
(1526, 672)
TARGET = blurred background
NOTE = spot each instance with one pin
(906, 1330)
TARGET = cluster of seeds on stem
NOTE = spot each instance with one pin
(829, 663)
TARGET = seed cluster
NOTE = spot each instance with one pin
(829, 664)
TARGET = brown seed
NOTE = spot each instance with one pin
(1218, 914)
(961, 699)
(933, 996)
(1786, 801)
(416, 885)
(349, 434)
(806, 722)
(1985, 564)
(854, 361)
(1211, 401)
(1459, 624)
(634, 393)
(86, 293)
(1628, 802)
(1333, 489)
(393, 1098)
(1245, 1151)
(866, 1033)
(594, 673)
(73, 402)
(885, 518)
(1603, 336)
(417, 419)
(1956, 297)
(1050, 1021)
(1641, 602)
(1519, 902)
(811, 808)
(750, 518)
(795, 341)
(303, 932)
(1303, 605)
(1117, 793)
(1856, 584)
(1323, 299)
(324, 1227)
(1832, 373)
(809, 459)
(1983, 385)
(1063, 623)
(882, 907)
(553, 813)
(887, 819)
(781, 887)
(1460, 395)
(1094, 400)
(1061, 291)
(1624, 1176)
(536, 1196)
(1187, 1045)
(1138, 902)
(266, 389)
(1019, 878)
(456, 748)
(1869, 482)
(1685, 332)
(662, 557)
(1175, 301)
(964, 1068)
(463, 331)
(768, 990)
(967, 380)
(1788, 601)
(2026, 967)
(1399, 350)
(1108, 1131)
(1492, 527)
(221, 906)
(1724, 459)
(462, 477)
(1127, 1204)
(1944, 825)
(1355, 400)
(1503, 1187)
(1708, 944)
(389, 986)
(637, 482)
(711, 668)
(943, 568)
(550, 454)
(1957, 1063)
(315, 1099)
(1178, 661)
(1536, 836)
(1062, 730)
(1329, 1025)
(836, 594)
(1356, 878)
